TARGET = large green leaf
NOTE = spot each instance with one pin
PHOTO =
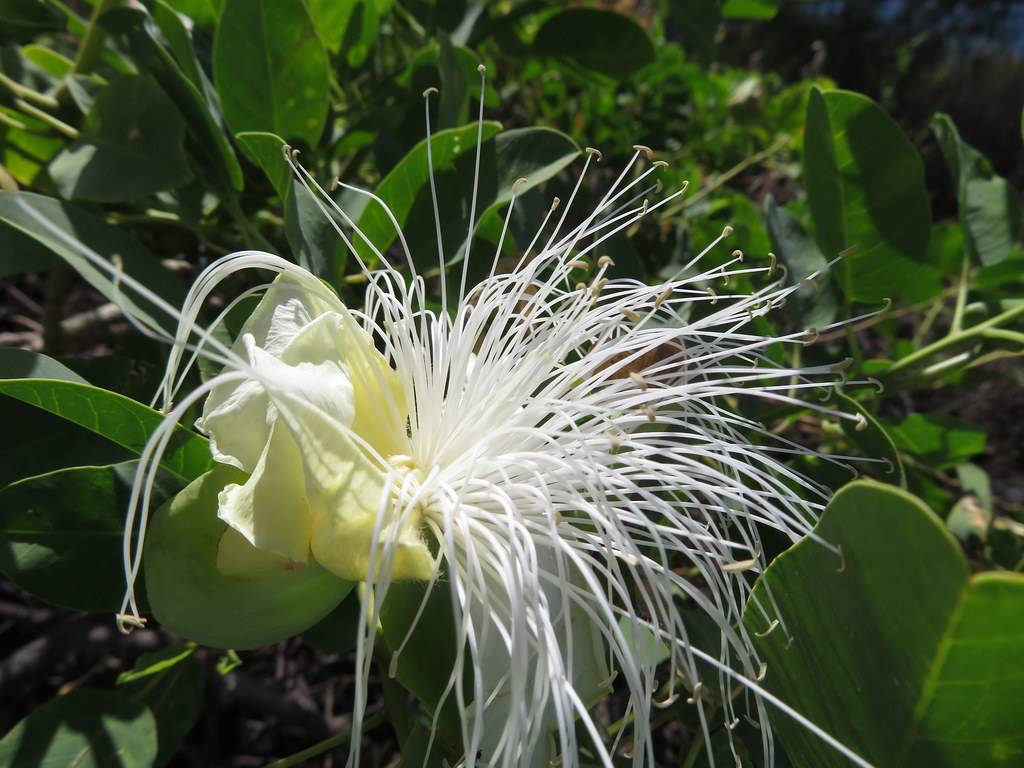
(989, 205)
(191, 597)
(895, 649)
(535, 154)
(865, 187)
(85, 728)
(53, 223)
(61, 534)
(602, 41)
(125, 421)
(170, 683)
(138, 33)
(132, 144)
(270, 68)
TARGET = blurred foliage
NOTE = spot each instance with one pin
(838, 140)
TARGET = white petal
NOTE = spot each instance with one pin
(270, 509)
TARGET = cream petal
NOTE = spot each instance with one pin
(381, 414)
(237, 557)
(239, 425)
(286, 308)
(270, 509)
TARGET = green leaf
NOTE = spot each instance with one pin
(989, 206)
(938, 440)
(270, 68)
(315, 243)
(85, 729)
(53, 223)
(895, 650)
(698, 22)
(24, 364)
(61, 534)
(25, 151)
(535, 154)
(865, 187)
(25, 19)
(750, 9)
(169, 682)
(873, 441)
(351, 27)
(132, 145)
(602, 41)
(428, 658)
(36, 442)
(815, 306)
(135, 28)
(191, 597)
(265, 149)
(125, 421)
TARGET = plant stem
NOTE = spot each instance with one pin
(961, 295)
(46, 117)
(27, 93)
(953, 339)
(91, 49)
(326, 745)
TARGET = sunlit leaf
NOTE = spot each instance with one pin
(124, 421)
(990, 208)
(85, 728)
(283, 89)
(893, 648)
(865, 187)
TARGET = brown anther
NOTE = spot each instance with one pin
(578, 264)
(595, 152)
(772, 261)
(737, 254)
(637, 379)
(629, 314)
(649, 413)
(555, 203)
(429, 91)
(581, 286)
(605, 261)
(517, 182)
(811, 335)
(727, 230)
(335, 183)
(645, 149)
(662, 297)
(660, 164)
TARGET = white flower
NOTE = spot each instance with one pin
(567, 444)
